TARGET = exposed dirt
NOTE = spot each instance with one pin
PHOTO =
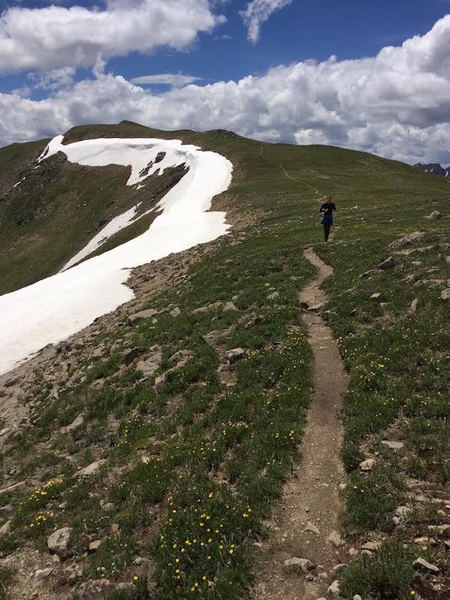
(312, 493)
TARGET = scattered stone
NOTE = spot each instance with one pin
(425, 541)
(342, 487)
(377, 297)
(407, 240)
(316, 307)
(435, 215)
(207, 307)
(422, 565)
(357, 597)
(213, 338)
(333, 590)
(4, 431)
(94, 546)
(229, 307)
(302, 564)
(131, 355)
(143, 314)
(389, 263)
(75, 423)
(367, 465)
(16, 488)
(41, 574)
(181, 358)
(335, 570)
(5, 529)
(371, 546)
(273, 296)
(369, 274)
(335, 539)
(413, 306)
(95, 590)
(236, 354)
(353, 552)
(58, 543)
(176, 312)
(150, 365)
(402, 511)
(440, 529)
(311, 527)
(445, 295)
(393, 445)
(91, 469)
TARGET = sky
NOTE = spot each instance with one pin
(363, 74)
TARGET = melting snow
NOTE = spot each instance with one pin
(55, 308)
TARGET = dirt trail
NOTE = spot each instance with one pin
(311, 495)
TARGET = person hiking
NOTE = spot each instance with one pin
(327, 209)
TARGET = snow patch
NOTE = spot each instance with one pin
(55, 308)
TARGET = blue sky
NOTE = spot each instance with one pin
(215, 47)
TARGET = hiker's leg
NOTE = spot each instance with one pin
(327, 230)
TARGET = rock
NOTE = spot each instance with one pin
(333, 590)
(69, 574)
(176, 312)
(316, 307)
(435, 215)
(91, 469)
(425, 541)
(335, 539)
(402, 511)
(5, 529)
(353, 552)
(236, 354)
(393, 445)
(357, 597)
(367, 465)
(181, 358)
(16, 488)
(131, 355)
(371, 546)
(41, 574)
(207, 307)
(75, 423)
(377, 297)
(368, 274)
(94, 546)
(58, 543)
(98, 589)
(413, 306)
(389, 263)
(407, 240)
(229, 307)
(335, 570)
(273, 296)
(143, 314)
(302, 564)
(311, 527)
(4, 431)
(213, 338)
(150, 365)
(422, 565)
(445, 295)
(443, 530)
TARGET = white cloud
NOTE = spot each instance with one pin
(176, 80)
(55, 36)
(396, 104)
(257, 13)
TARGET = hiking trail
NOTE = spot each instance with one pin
(311, 495)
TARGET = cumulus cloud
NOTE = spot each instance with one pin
(176, 80)
(257, 13)
(396, 104)
(53, 37)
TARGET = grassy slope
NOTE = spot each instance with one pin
(216, 452)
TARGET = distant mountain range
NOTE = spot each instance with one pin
(434, 168)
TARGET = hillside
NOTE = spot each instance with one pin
(165, 439)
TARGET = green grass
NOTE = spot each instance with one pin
(216, 457)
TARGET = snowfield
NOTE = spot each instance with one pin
(55, 308)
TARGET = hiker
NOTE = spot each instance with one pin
(327, 209)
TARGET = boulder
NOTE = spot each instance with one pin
(407, 240)
(335, 539)
(131, 355)
(58, 543)
(94, 546)
(91, 469)
(5, 529)
(236, 354)
(389, 263)
(311, 527)
(445, 295)
(75, 423)
(41, 574)
(181, 358)
(150, 365)
(176, 312)
(230, 307)
(367, 465)
(273, 296)
(420, 564)
(371, 546)
(377, 297)
(333, 590)
(98, 589)
(302, 564)
(435, 215)
(16, 488)
(213, 338)
(393, 445)
(207, 307)
(143, 314)
(413, 306)
(368, 274)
